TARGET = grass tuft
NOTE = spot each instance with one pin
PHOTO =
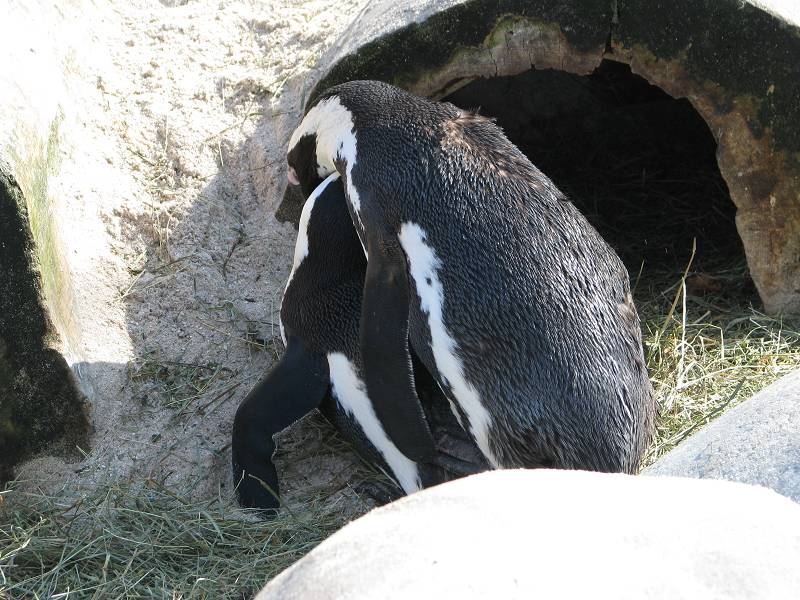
(711, 353)
(177, 384)
(123, 542)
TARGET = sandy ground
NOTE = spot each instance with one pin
(176, 150)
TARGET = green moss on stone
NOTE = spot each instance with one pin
(33, 165)
(733, 44)
(7, 425)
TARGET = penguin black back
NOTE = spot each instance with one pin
(515, 301)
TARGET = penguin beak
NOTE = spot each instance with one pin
(292, 175)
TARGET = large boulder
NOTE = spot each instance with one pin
(736, 61)
(561, 534)
(755, 442)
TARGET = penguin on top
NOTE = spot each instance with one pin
(479, 264)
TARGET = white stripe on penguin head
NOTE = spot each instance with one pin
(301, 245)
(350, 393)
(423, 265)
(332, 124)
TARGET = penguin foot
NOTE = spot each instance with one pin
(459, 459)
(254, 493)
(454, 431)
(461, 450)
(456, 468)
(380, 492)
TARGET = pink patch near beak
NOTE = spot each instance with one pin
(292, 175)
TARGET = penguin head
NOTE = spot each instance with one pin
(302, 162)
(324, 142)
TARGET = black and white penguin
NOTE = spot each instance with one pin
(319, 320)
(509, 297)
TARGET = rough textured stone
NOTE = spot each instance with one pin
(736, 63)
(756, 442)
(561, 534)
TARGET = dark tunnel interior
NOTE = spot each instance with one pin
(637, 162)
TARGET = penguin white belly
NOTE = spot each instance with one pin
(423, 265)
(350, 392)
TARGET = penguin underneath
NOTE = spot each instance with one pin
(321, 367)
(511, 300)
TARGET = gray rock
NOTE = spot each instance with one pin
(561, 534)
(755, 442)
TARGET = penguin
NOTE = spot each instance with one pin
(321, 368)
(482, 267)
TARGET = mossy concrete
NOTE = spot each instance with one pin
(40, 405)
(739, 47)
(738, 64)
(410, 52)
(33, 161)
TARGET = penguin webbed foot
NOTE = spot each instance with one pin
(457, 454)
(258, 492)
(379, 491)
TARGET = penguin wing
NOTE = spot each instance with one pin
(388, 370)
(294, 387)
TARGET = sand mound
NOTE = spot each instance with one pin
(173, 144)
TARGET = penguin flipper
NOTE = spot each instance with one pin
(294, 387)
(388, 370)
